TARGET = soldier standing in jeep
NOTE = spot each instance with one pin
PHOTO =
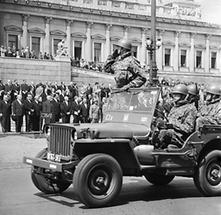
(210, 113)
(181, 120)
(127, 69)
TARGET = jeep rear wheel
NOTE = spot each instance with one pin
(158, 179)
(207, 176)
(48, 185)
(97, 180)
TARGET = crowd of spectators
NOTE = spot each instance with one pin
(50, 102)
(82, 63)
(24, 53)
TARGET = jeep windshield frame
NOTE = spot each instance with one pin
(136, 105)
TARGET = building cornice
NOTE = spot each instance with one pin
(87, 14)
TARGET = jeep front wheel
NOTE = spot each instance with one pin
(207, 176)
(97, 180)
(158, 179)
(45, 180)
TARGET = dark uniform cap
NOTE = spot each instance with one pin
(180, 89)
(125, 44)
(193, 89)
(214, 89)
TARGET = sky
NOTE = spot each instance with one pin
(211, 10)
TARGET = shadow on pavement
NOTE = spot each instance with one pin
(136, 189)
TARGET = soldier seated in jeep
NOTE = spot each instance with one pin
(210, 113)
(180, 121)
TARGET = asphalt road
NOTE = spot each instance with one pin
(18, 196)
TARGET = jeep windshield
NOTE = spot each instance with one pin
(133, 106)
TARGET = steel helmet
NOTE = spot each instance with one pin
(180, 89)
(193, 89)
(214, 89)
(124, 43)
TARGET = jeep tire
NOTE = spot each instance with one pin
(44, 184)
(97, 180)
(207, 177)
(159, 179)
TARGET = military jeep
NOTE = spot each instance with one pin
(95, 157)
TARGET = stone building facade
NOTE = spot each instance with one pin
(91, 28)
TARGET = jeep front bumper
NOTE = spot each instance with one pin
(46, 164)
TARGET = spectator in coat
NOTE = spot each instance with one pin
(76, 109)
(29, 112)
(18, 112)
(5, 113)
(66, 110)
(56, 110)
(47, 109)
(84, 111)
(37, 105)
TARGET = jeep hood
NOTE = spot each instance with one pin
(114, 130)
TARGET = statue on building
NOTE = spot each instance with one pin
(62, 48)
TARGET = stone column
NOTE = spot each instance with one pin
(126, 28)
(207, 54)
(176, 52)
(24, 38)
(160, 52)
(143, 50)
(192, 53)
(107, 44)
(68, 38)
(47, 35)
(88, 44)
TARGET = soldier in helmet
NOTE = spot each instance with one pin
(210, 112)
(127, 69)
(193, 95)
(180, 121)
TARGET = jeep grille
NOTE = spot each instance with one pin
(60, 140)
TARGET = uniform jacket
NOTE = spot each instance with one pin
(5, 108)
(29, 107)
(212, 112)
(94, 112)
(183, 117)
(37, 108)
(127, 70)
(65, 108)
(17, 108)
(47, 107)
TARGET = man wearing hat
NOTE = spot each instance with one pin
(127, 69)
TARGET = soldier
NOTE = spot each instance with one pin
(127, 69)
(193, 95)
(94, 112)
(181, 119)
(210, 113)
(66, 110)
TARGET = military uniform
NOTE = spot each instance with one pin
(209, 114)
(182, 118)
(127, 69)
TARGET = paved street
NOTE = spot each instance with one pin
(19, 196)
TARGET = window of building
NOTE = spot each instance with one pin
(35, 45)
(213, 60)
(129, 6)
(134, 51)
(198, 59)
(13, 41)
(55, 45)
(77, 50)
(97, 52)
(87, 1)
(115, 4)
(102, 2)
(167, 57)
(183, 58)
